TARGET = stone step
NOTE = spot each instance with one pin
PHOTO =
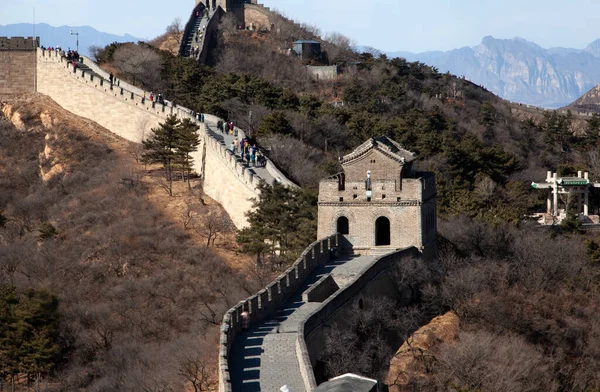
(381, 250)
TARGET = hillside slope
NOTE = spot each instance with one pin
(139, 291)
(588, 102)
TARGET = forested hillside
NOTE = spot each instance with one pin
(484, 156)
(139, 296)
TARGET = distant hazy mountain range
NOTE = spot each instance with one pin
(521, 71)
(51, 36)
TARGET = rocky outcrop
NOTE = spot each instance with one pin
(521, 71)
(589, 102)
(413, 356)
(13, 116)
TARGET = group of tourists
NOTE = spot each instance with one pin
(249, 152)
(56, 48)
(72, 55)
(158, 98)
(242, 147)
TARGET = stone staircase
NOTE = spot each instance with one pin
(190, 39)
(381, 250)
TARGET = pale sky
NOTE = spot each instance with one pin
(389, 25)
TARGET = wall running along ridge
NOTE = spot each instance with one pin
(124, 112)
(267, 301)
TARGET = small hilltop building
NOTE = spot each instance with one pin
(380, 202)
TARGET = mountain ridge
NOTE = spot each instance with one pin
(520, 70)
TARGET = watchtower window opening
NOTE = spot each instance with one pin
(382, 231)
(341, 182)
(343, 226)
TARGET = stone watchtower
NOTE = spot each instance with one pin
(226, 5)
(17, 64)
(379, 202)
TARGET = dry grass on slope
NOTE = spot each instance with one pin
(140, 295)
(169, 42)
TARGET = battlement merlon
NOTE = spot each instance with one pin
(19, 43)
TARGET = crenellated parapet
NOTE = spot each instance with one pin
(83, 88)
(269, 300)
(28, 44)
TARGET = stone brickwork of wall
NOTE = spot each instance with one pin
(325, 72)
(17, 65)
(409, 207)
(257, 17)
(123, 111)
(372, 281)
(267, 301)
(92, 98)
(228, 182)
(321, 290)
(406, 198)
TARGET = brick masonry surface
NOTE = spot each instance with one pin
(406, 199)
(17, 65)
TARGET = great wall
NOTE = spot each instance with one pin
(288, 316)
(124, 110)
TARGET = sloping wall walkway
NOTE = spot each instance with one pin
(123, 110)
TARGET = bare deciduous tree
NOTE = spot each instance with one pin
(175, 29)
(212, 224)
(488, 362)
(140, 64)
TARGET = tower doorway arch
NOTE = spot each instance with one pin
(343, 226)
(382, 231)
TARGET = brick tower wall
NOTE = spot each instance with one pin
(17, 65)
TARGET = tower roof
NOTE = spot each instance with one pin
(384, 145)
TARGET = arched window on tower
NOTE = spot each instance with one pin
(343, 226)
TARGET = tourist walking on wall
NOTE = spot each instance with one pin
(232, 147)
(245, 321)
(236, 143)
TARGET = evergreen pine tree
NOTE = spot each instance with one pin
(282, 223)
(188, 141)
(161, 148)
(29, 332)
